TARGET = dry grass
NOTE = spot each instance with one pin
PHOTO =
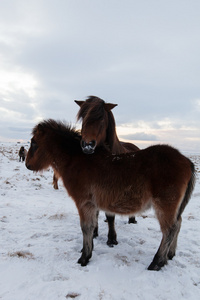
(57, 217)
(72, 295)
(22, 254)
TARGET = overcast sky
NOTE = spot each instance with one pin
(143, 55)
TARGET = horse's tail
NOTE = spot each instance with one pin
(189, 191)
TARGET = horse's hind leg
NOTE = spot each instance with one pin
(112, 236)
(172, 249)
(88, 215)
(96, 229)
(132, 220)
(167, 247)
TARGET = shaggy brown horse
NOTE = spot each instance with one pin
(98, 128)
(158, 176)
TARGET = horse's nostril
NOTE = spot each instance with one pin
(83, 144)
(92, 144)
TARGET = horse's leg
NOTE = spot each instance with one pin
(132, 220)
(55, 182)
(167, 247)
(172, 249)
(88, 214)
(96, 229)
(112, 236)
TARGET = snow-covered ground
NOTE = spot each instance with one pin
(41, 240)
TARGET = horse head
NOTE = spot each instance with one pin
(95, 115)
(34, 158)
(38, 158)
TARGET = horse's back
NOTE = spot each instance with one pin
(165, 161)
(168, 171)
(129, 147)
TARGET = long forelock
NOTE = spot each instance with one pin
(92, 110)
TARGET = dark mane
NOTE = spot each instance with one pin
(62, 128)
(111, 132)
(64, 134)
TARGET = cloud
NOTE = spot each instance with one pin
(141, 136)
(197, 104)
(144, 58)
(20, 129)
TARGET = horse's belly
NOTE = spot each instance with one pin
(127, 200)
(127, 206)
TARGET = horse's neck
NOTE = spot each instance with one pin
(112, 139)
(59, 158)
(117, 148)
(64, 160)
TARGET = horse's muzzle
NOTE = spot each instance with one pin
(88, 148)
(28, 166)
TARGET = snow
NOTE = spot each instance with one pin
(41, 242)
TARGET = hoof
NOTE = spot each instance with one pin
(170, 256)
(83, 262)
(155, 266)
(132, 220)
(111, 243)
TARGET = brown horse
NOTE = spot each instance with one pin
(158, 176)
(98, 128)
(22, 153)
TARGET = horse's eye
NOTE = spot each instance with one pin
(34, 145)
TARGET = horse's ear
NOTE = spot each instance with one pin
(80, 103)
(109, 106)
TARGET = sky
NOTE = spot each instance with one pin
(142, 55)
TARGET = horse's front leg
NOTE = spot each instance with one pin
(96, 229)
(88, 220)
